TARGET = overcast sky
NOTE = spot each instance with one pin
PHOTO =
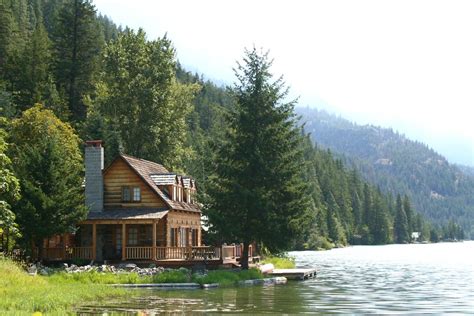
(402, 64)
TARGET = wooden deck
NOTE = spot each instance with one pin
(295, 274)
(163, 256)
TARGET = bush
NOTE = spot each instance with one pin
(282, 261)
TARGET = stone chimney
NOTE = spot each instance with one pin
(94, 160)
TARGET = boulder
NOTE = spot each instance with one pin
(266, 268)
(32, 270)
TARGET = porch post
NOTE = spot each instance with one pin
(124, 242)
(94, 243)
(154, 241)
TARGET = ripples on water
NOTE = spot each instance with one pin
(428, 278)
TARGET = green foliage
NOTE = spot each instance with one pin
(176, 276)
(9, 193)
(257, 193)
(143, 100)
(24, 294)
(401, 223)
(227, 278)
(47, 159)
(438, 190)
(280, 262)
(77, 44)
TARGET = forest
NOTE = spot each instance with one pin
(441, 191)
(69, 74)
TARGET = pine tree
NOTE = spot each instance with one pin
(9, 193)
(257, 193)
(379, 223)
(401, 223)
(77, 46)
(48, 162)
(409, 213)
(33, 80)
(139, 96)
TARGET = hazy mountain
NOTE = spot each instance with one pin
(440, 190)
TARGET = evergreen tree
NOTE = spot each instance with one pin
(9, 193)
(48, 162)
(401, 223)
(409, 213)
(77, 45)
(257, 193)
(139, 95)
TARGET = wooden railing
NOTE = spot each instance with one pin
(67, 253)
(152, 253)
(78, 253)
(187, 253)
(144, 253)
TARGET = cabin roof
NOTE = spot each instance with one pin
(148, 170)
(129, 214)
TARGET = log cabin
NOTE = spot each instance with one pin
(140, 211)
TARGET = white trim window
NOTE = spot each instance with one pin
(137, 195)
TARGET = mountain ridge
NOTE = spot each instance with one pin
(440, 190)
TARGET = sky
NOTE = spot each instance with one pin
(403, 64)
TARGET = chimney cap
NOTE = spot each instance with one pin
(94, 143)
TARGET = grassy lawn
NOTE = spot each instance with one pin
(59, 293)
(22, 294)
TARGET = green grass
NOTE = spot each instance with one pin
(227, 278)
(280, 262)
(59, 293)
(22, 294)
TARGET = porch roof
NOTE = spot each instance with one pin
(128, 214)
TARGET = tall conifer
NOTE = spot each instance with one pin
(258, 194)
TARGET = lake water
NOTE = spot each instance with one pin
(417, 278)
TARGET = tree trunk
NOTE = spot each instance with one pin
(7, 243)
(244, 259)
(39, 246)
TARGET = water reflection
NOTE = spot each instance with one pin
(387, 279)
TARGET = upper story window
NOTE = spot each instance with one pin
(131, 194)
(137, 195)
(126, 196)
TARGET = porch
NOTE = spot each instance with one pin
(162, 255)
(158, 240)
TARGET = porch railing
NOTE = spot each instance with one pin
(226, 252)
(187, 253)
(145, 253)
(67, 253)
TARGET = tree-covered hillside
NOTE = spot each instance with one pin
(439, 190)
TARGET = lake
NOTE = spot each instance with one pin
(415, 278)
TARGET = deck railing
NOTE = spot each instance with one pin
(141, 253)
(187, 253)
(78, 253)
(226, 252)
(67, 253)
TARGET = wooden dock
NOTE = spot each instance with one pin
(295, 274)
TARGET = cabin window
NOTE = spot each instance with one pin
(174, 237)
(133, 236)
(137, 197)
(194, 234)
(183, 242)
(125, 194)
